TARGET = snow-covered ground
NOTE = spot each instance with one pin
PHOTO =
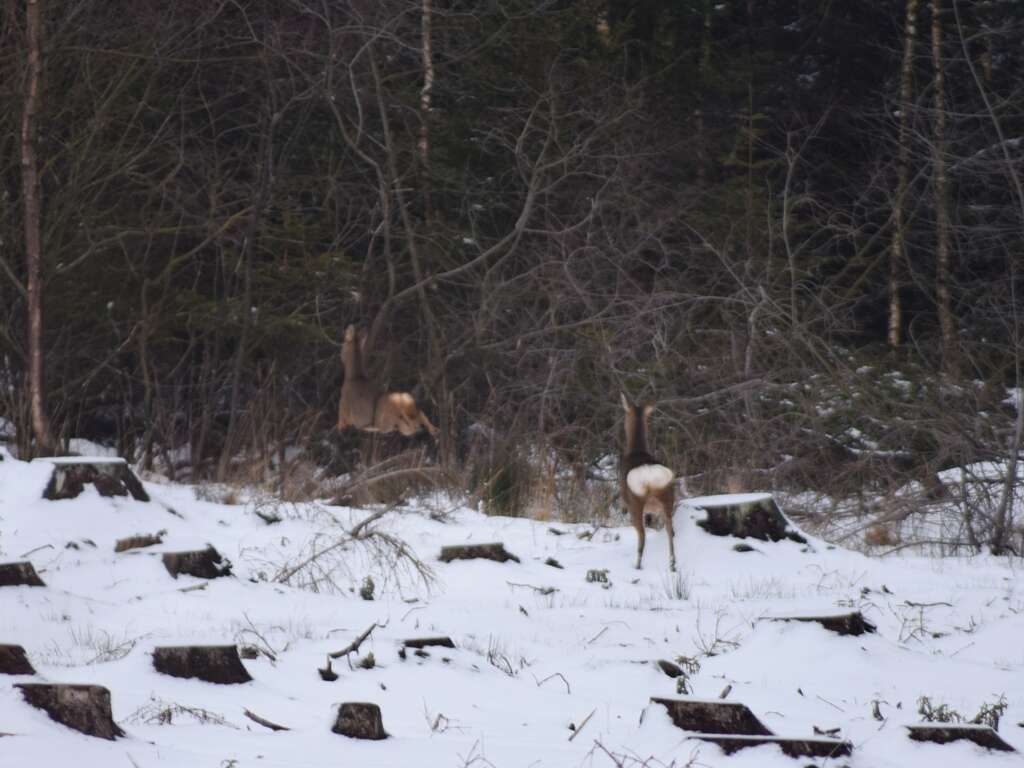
(539, 648)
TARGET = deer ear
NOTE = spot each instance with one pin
(625, 402)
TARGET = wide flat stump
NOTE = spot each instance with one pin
(110, 477)
(21, 574)
(13, 661)
(713, 716)
(202, 563)
(495, 551)
(86, 708)
(138, 541)
(212, 663)
(359, 720)
(945, 733)
(423, 642)
(814, 747)
(747, 515)
(842, 624)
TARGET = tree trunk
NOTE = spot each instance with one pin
(943, 246)
(897, 248)
(33, 225)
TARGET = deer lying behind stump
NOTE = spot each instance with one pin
(364, 407)
(643, 478)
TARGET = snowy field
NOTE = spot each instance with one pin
(538, 648)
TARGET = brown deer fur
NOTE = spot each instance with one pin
(364, 407)
(643, 479)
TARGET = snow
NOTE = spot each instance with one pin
(528, 663)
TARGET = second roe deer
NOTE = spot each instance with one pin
(364, 407)
(643, 478)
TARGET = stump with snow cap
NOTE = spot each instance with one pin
(202, 563)
(794, 747)
(110, 477)
(423, 642)
(753, 515)
(841, 623)
(496, 552)
(13, 661)
(86, 708)
(713, 716)
(212, 663)
(360, 720)
(945, 733)
(21, 574)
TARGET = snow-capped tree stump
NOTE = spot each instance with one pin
(496, 552)
(812, 747)
(138, 542)
(423, 642)
(212, 663)
(13, 661)
(21, 574)
(945, 733)
(753, 515)
(713, 716)
(670, 668)
(202, 563)
(842, 624)
(110, 476)
(86, 708)
(359, 720)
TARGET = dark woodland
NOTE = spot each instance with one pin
(796, 225)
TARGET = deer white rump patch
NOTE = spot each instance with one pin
(649, 477)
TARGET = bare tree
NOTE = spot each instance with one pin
(33, 228)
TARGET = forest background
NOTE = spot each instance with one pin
(796, 224)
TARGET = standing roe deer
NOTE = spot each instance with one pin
(643, 478)
(364, 407)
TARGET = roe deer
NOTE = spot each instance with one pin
(364, 407)
(643, 478)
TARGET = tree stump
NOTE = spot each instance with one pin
(713, 716)
(138, 541)
(110, 476)
(945, 733)
(359, 720)
(842, 624)
(86, 708)
(813, 747)
(212, 663)
(19, 575)
(496, 552)
(202, 563)
(753, 515)
(13, 661)
(423, 642)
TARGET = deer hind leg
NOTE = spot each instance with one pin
(667, 508)
(422, 417)
(636, 514)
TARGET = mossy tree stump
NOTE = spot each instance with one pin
(202, 563)
(110, 477)
(21, 574)
(749, 515)
(946, 733)
(13, 661)
(495, 551)
(713, 716)
(86, 708)
(212, 663)
(360, 720)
